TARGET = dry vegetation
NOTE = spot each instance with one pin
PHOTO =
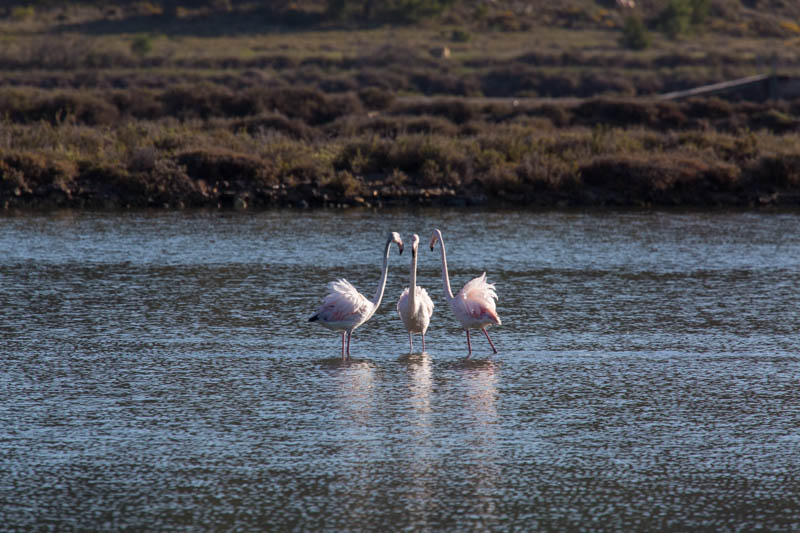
(536, 108)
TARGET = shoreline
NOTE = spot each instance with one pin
(96, 196)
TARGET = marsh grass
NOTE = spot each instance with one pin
(500, 160)
(543, 109)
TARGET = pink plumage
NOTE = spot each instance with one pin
(426, 304)
(344, 308)
(474, 305)
(415, 308)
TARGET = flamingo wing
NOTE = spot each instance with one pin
(343, 303)
(402, 303)
(425, 301)
(415, 320)
(477, 300)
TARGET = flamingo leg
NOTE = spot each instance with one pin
(410, 343)
(342, 344)
(349, 333)
(423, 343)
(488, 339)
(469, 345)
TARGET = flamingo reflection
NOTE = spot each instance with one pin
(481, 427)
(421, 386)
(423, 460)
(357, 381)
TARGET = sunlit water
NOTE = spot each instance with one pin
(158, 372)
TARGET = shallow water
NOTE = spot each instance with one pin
(159, 372)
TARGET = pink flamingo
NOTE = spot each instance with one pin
(344, 308)
(474, 305)
(415, 307)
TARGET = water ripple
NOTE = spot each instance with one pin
(159, 373)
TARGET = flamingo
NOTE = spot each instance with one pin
(415, 307)
(474, 305)
(344, 308)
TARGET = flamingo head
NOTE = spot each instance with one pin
(437, 236)
(414, 244)
(395, 238)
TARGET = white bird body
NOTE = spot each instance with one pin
(344, 308)
(417, 316)
(474, 305)
(415, 307)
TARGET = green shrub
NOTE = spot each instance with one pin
(147, 9)
(615, 112)
(57, 107)
(661, 179)
(391, 126)
(205, 100)
(776, 170)
(142, 44)
(219, 166)
(413, 10)
(336, 8)
(309, 105)
(710, 108)
(344, 184)
(435, 83)
(138, 103)
(22, 12)
(676, 18)
(700, 12)
(295, 129)
(634, 34)
(405, 11)
(33, 172)
(460, 36)
(681, 16)
(457, 111)
(375, 98)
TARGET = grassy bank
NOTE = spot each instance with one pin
(311, 149)
(214, 109)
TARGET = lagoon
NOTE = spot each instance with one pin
(159, 372)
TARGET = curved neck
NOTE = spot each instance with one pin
(412, 282)
(448, 294)
(376, 301)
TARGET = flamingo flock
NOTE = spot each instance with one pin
(344, 308)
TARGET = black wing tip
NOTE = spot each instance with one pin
(314, 318)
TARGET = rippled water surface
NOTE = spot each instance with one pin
(158, 372)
